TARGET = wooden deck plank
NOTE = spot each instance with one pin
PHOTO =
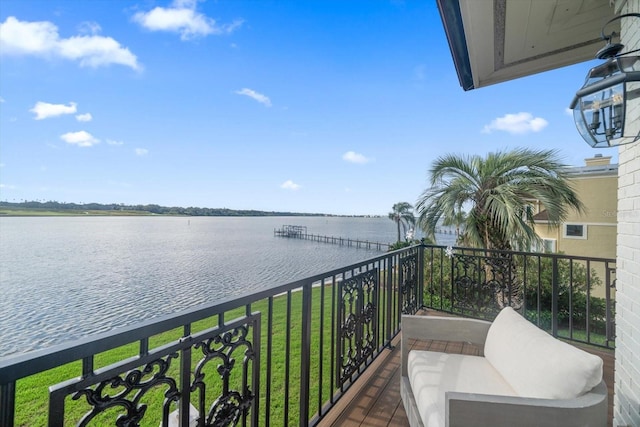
(359, 401)
(374, 400)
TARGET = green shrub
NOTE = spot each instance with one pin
(533, 274)
(400, 245)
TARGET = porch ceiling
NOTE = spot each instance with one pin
(492, 41)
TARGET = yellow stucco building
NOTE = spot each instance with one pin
(591, 233)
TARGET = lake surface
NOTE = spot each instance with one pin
(62, 278)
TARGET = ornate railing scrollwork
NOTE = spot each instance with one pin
(235, 400)
(409, 282)
(127, 392)
(125, 386)
(484, 283)
(357, 328)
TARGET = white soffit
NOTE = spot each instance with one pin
(507, 39)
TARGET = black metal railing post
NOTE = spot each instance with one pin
(420, 264)
(185, 383)
(389, 294)
(397, 259)
(305, 355)
(255, 369)
(588, 303)
(554, 297)
(269, 349)
(608, 315)
(452, 275)
(441, 281)
(7, 403)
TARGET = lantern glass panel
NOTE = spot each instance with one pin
(601, 72)
(629, 63)
(601, 115)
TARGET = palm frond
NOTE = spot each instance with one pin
(498, 189)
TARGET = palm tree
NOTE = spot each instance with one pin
(499, 190)
(457, 220)
(402, 214)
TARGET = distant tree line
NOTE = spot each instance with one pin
(152, 209)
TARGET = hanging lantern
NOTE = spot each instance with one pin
(603, 107)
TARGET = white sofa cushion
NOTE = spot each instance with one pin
(537, 365)
(432, 374)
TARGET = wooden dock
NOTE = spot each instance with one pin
(300, 232)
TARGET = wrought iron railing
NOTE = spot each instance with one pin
(286, 355)
(572, 297)
(282, 356)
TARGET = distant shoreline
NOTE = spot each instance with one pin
(5, 212)
(21, 212)
(37, 213)
(8, 209)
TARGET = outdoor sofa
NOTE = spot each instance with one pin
(525, 377)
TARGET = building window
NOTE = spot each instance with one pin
(545, 246)
(574, 231)
(549, 245)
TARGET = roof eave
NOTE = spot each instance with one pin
(454, 29)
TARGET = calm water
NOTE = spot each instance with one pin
(62, 278)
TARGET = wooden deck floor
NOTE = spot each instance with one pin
(374, 400)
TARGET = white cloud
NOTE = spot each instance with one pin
(181, 17)
(353, 157)
(516, 124)
(86, 117)
(1, 100)
(42, 39)
(113, 142)
(263, 99)
(141, 151)
(18, 37)
(7, 187)
(96, 51)
(89, 27)
(81, 138)
(44, 110)
(290, 185)
(568, 111)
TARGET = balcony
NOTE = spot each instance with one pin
(295, 354)
(375, 399)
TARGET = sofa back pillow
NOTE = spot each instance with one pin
(537, 365)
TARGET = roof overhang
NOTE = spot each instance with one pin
(493, 41)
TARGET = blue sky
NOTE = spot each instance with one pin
(325, 106)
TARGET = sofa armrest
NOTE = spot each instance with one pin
(464, 409)
(441, 329)
(445, 328)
